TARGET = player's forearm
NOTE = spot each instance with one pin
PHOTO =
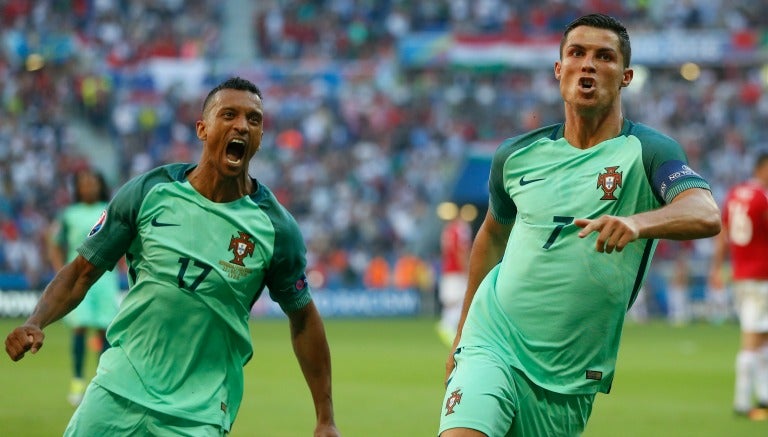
(63, 293)
(313, 354)
(693, 214)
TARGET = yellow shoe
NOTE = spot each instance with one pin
(76, 391)
(758, 414)
(445, 334)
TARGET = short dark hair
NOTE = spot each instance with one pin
(602, 21)
(233, 83)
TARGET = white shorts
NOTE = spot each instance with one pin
(751, 298)
(452, 288)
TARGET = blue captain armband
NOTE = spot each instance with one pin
(674, 177)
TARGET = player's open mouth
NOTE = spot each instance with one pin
(235, 151)
(586, 83)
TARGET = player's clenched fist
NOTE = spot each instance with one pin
(22, 339)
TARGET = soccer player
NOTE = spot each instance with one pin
(575, 212)
(455, 244)
(745, 237)
(201, 242)
(99, 306)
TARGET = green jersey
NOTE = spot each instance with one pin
(99, 306)
(554, 307)
(196, 267)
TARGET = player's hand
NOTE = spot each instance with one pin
(326, 430)
(25, 338)
(614, 233)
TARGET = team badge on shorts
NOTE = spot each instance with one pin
(453, 401)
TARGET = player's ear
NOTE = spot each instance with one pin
(557, 70)
(200, 130)
(627, 77)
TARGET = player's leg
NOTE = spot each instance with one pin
(752, 305)
(77, 385)
(103, 413)
(761, 371)
(545, 413)
(479, 397)
(761, 347)
(677, 293)
(451, 293)
(159, 424)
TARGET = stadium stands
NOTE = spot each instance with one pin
(364, 137)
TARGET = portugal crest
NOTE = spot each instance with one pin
(241, 246)
(609, 182)
(452, 401)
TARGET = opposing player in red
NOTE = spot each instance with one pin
(745, 238)
(455, 245)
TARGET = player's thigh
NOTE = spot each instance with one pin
(104, 413)
(164, 425)
(752, 305)
(480, 394)
(541, 412)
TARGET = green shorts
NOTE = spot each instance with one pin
(489, 396)
(103, 413)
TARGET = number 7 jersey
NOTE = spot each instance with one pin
(554, 306)
(181, 337)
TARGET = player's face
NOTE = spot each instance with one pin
(89, 187)
(231, 130)
(591, 70)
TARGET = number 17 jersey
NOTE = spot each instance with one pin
(181, 337)
(554, 306)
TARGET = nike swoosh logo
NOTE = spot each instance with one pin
(158, 224)
(524, 182)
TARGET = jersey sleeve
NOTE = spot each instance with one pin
(286, 278)
(666, 165)
(112, 234)
(501, 205)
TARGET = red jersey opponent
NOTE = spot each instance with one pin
(745, 238)
(455, 244)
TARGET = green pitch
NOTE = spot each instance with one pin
(388, 381)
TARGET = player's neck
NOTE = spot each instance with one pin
(217, 187)
(585, 131)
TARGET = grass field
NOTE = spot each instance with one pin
(388, 382)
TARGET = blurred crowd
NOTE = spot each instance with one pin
(358, 148)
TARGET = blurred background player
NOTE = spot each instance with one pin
(99, 307)
(745, 238)
(455, 245)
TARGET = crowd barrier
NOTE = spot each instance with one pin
(337, 303)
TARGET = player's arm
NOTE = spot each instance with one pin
(55, 249)
(487, 250)
(719, 255)
(62, 295)
(691, 214)
(311, 348)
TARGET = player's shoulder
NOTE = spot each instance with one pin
(162, 174)
(528, 138)
(266, 200)
(648, 136)
(513, 144)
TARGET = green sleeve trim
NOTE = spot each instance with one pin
(685, 185)
(296, 304)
